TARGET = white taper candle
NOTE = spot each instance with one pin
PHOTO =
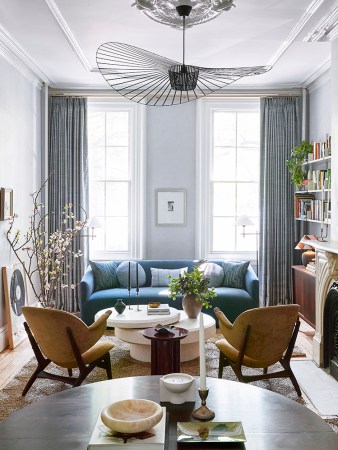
(203, 385)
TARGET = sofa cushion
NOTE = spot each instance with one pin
(159, 277)
(104, 275)
(234, 273)
(214, 272)
(123, 274)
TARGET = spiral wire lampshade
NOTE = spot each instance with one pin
(154, 80)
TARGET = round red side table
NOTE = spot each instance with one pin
(165, 350)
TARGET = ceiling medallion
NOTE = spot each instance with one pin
(154, 80)
(164, 11)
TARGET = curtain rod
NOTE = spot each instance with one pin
(220, 96)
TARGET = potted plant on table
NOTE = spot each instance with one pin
(194, 287)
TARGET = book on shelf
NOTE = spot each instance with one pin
(162, 309)
(103, 438)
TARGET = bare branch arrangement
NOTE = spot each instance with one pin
(45, 257)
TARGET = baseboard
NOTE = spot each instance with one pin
(3, 338)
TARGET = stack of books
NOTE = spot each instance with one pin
(311, 266)
(162, 309)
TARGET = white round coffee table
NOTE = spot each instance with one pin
(129, 326)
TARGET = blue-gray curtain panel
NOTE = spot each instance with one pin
(68, 183)
(280, 132)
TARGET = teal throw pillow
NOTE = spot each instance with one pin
(234, 273)
(159, 277)
(214, 272)
(123, 274)
(105, 276)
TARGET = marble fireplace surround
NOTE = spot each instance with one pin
(326, 274)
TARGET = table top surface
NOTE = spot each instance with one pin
(175, 333)
(65, 421)
(131, 318)
(134, 318)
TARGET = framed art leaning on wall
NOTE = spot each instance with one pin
(170, 206)
(15, 291)
(6, 204)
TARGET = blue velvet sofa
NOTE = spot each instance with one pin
(231, 301)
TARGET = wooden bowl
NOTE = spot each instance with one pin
(132, 415)
(154, 304)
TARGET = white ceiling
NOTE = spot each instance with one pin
(59, 38)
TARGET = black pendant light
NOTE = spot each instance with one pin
(153, 80)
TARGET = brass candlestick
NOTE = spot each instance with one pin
(203, 412)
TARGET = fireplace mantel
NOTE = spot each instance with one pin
(326, 273)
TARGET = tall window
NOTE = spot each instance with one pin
(115, 196)
(229, 177)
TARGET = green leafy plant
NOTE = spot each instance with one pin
(47, 259)
(298, 156)
(192, 283)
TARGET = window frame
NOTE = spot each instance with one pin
(204, 200)
(136, 179)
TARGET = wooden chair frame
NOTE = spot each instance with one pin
(284, 361)
(84, 370)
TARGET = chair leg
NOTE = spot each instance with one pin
(107, 363)
(70, 372)
(41, 366)
(265, 370)
(223, 362)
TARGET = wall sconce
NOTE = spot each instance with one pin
(93, 222)
(245, 221)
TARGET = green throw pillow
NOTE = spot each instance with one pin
(234, 273)
(104, 275)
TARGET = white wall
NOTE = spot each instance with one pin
(171, 163)
(20, 148)
(334, 132)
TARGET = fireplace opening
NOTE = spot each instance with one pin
(331, 331)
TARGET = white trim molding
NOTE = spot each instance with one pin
(11, 50)
(296, 30)
(3, 337)
(326, 29)
(69, 35)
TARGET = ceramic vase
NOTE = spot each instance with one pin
(119, 306)
(191, 306)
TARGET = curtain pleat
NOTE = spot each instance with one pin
(280, 132)
(68, 182)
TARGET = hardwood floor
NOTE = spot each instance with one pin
(11, 361)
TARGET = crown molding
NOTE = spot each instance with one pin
(296, 30)
(326, 29)
(317, 77)
(11, 50)
(69, 35)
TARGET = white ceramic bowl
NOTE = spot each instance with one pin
(177, 382)
(131, 416)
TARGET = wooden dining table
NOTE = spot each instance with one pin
(65, 421)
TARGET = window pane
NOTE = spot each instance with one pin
(247, 243)
(96, 129)
(247, 199)
(117, 163)
(248, 129)
(248, 164)
(117, 234)
(224, 201)
(225, 129)
(97, 163)
(224, 167)
(96, 198)
(117, 128)
(117, 199)
(223, 234)
(97, 243)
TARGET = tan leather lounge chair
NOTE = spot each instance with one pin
(60, 337)
(259, 338)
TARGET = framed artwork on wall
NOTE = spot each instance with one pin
(15, 290)
(6, 204)
(170, 207)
